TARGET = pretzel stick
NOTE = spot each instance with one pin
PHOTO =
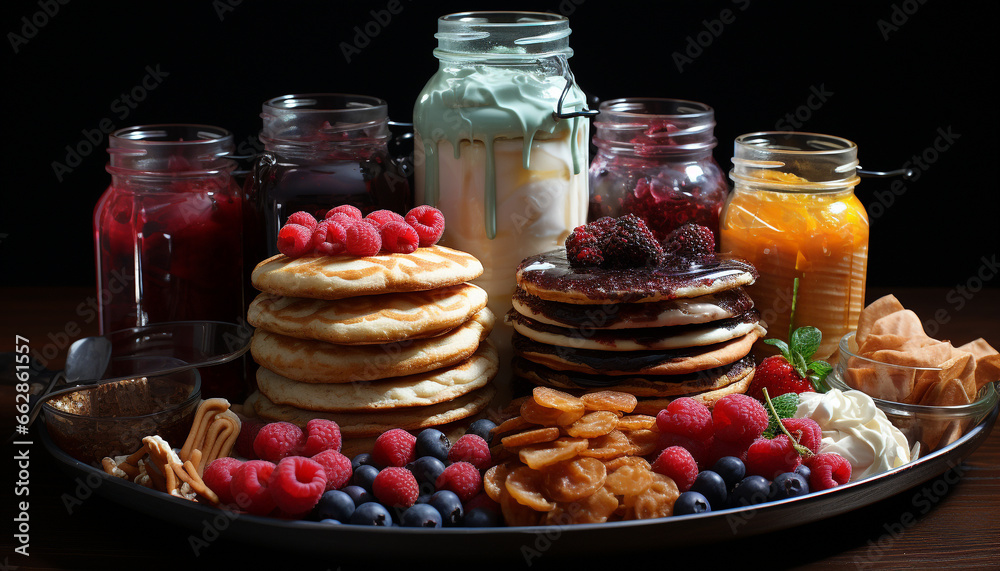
(189, 474)
(204, 416)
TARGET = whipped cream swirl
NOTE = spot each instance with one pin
(857, 430)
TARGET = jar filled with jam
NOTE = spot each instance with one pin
(794, 215)
(168, 233)
(654, 160)
(321, 150)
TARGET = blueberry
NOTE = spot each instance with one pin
(788, 485)
(731, 469)
(426, 469)
(364, 476)
(420, 515)
(481, 517)
(482, 428)
(433, 442)
(363, 459)
(330, 521)
(423, 498)
(358, 494)
(449, 506)
(691, 503)
(334, 504)
(371, 513)
(749, 491)
(711, 485)
(803, 471)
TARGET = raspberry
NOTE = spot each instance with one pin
(363, 239)
(344, 219)
(690, 241)
(428, 222)
(337, 467)
(321, 435)
(395, 447)
(677, 463)
(827, 471)
(219, 475)
(472, 449)
(383, 217)
(583, 248)
(399, 237)
(249, 487)
(721, 448)
(396, 487)
(739, 419)
(329, 238)
(244, 442)
(352, 212)
(296, 484)
(461, 478)
(701, 450)
(294, 240)
(686, 417)
(277, 440)
(302, 218)
(806, 431)
(482, 500)
(770, 457)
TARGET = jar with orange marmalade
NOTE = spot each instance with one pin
(794, 215)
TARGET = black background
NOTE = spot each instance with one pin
(895, 74)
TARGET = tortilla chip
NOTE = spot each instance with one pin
(877, 309)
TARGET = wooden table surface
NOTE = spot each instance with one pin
(941, 524)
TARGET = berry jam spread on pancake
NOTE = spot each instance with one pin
(689, 383)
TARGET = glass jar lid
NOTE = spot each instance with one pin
(650, 126)
(795, 161)
(323, 120)
(171, 148)
(502, 35)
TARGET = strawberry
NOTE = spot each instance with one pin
(791, 371)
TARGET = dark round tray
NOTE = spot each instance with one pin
(678, 531)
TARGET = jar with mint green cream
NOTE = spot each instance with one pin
(501, 139)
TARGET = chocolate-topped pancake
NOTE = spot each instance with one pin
(641, 386)
(680, 311)
(338, 277)
(622, 363)
(550, 276)
(645, 339)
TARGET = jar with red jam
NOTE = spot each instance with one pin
(168, 231)
(654, 160)
(321, 150)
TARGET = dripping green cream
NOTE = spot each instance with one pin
(471, 102)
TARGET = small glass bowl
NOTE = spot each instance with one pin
(174, 398)
(934, 427)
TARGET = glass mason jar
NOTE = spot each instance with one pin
(501, 141)
(321, 150)
(168, 234)
(654, 160)
(794, 215)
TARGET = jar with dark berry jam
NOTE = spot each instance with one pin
(168, 233)
(654, 160)
(321, 150)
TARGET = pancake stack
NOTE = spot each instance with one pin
(658, 332)
(372, 343)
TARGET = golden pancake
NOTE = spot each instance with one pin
(619, 363)
(652, 338)
(550, 277)
(338, 277)
(422, 389)
(319, 362)
(372, 319)
(371, 424)
(707, 398)
(640, 386)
